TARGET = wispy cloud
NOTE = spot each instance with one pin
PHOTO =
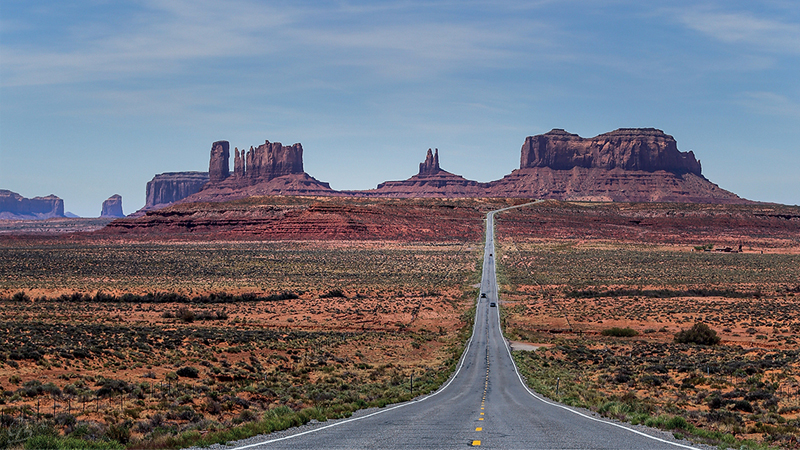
(167, 37)
(770, 35)
(771, 103)
(161, 37)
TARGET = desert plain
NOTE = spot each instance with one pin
(201, 324)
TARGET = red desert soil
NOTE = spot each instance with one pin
(309, 218)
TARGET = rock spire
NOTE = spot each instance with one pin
(431, 164)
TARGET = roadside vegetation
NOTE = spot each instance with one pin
(151, 349)
(704, 345)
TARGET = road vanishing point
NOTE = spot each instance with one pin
(484, 404)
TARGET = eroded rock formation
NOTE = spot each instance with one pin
(219, 165)
(625, 165)
(263, 163)
(269, 169)
(646, 149)
(16, 207)
(268, 161)
(431, 164)
(112, 207)
(431, 181)
(170, 187)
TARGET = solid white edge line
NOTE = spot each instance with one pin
(410, 402)
(559, 405)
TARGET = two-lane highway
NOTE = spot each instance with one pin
(484, 404)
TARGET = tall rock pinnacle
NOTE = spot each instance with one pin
(219, 165)
(431, 164)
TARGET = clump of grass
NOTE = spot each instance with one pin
(620, 332)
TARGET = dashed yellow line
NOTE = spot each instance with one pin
(476, 443)
(479, 429)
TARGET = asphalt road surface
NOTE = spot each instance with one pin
(484, 404)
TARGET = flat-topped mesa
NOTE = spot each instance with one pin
(169, 187)
(645, 149)
(431, 164)
(112, 207)
(16, 207)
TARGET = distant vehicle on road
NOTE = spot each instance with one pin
(483, 294)
(492, 304)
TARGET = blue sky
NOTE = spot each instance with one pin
(96, 97)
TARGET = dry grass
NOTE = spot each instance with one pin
(365, 318)
(565, 293)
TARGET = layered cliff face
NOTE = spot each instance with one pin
(263, 163)
(625, 165)
(269, 169)
(112, 207)
(16, 207)
(170, 187)
(267, 161)
(646, 149)
(219, 165)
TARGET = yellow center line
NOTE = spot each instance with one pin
(479, 429)
(476, 443)
(481, 418)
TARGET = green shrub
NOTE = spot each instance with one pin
(700, 334)
(119, 432)
(620, 332)
(188, 372)
(676, 423)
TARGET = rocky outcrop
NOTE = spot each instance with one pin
(269, 169)
(431, 181)
(625, 165)
(431, 164)
(16, 207)
(616, 185)
(638, 149)
(112, 207)
(263, 163)
(167, 188)
(219, 165)
(268, 161)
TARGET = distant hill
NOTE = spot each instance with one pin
(16, 207)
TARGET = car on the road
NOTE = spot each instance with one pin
(492, 304)
(483, 294)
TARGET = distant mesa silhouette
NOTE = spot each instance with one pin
(16, 207)
(624, 165)
(112, 207)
